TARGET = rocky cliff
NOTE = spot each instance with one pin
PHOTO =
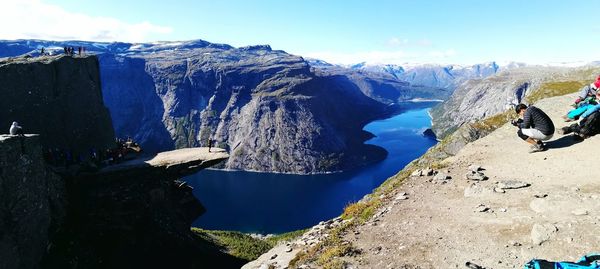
(265, 106)
(32, 202)
(136, 214)
(130, 215)
(269, 108)
(480, 98)
(58, 97)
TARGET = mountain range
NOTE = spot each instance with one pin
(271, 110)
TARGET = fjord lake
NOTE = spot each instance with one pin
(269, 203)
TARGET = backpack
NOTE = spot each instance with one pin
(591, 125)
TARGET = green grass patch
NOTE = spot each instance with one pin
(274, 240)
(237, 244)
(242, 245)
(334, 252)
(554, 88)
(494, 122)
(361, 211)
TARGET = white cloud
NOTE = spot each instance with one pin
(25, 19)
(396, 42)
(424, 42)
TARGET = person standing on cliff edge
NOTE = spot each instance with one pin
(534, 126)
(210, 142)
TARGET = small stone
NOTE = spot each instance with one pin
(512, 184)
(477, 176)
(502, 209)
(288, 249)
(417, 173)
(428, 171)
(482, 208)
(441, 176)
(499, 190)
(514, 243)
(540, 195)
(579, 212)
(474, 168)
(274, 256)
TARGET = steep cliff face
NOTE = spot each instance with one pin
(269, 108)
(32, 202)
(57, 97)
(480, 98)
(136, 214)
(131, 215)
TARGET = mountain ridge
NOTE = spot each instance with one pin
(270, 109)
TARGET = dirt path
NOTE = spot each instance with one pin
(441, 226)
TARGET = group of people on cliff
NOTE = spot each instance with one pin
(97, 158)
(535, 126)
(70, 51)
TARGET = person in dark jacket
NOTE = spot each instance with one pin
(534, 126)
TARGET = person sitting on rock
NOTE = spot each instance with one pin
(15, 129)
(587, 91)
(534, 126)
(582, 107)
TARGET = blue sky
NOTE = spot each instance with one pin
(378, 31)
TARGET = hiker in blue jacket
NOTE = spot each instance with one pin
(587, 98)
(591, 109)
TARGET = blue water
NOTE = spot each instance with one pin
(275, 203)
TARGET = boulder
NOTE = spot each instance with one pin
(442, 176)
(417, 173)
(477, 176)
(512, 184)
(474, 168)
(541, 233)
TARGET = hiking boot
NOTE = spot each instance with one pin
(578, 137)
(564, 130)
(536, 148)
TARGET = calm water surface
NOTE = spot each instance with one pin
(275, 203)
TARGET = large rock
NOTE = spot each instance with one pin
(541, 233)
(58, 97)
(32, 202)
